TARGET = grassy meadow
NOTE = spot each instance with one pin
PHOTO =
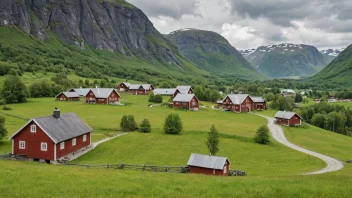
(273, 170)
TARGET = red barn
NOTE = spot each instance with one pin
(186, 101)
(67, 96)
(141, 89)
(259, 103)
(52, 137)
(123, 86)
(208, 165)
(238, 103)
(288, 118)
(103, 96)
(183, 90)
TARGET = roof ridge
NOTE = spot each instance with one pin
(52, 115)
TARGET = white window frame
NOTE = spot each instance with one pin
(62, 145)
(74, 142)
(84, 138)
(20, 145)
(41, 146)
(33, 128)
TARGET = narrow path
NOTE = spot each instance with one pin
(278, 134)
(95, 144)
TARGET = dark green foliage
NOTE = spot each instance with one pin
(158, 99)
(213, 141)
(14, 90)
(173, 124)
(44, 89)
(206, 94)
(282, 103)
(151, 97)
(128, 124)
(262, 135)
(3, 131)
(145, 126)
(298, 98)
(6, 108)
(2, 102)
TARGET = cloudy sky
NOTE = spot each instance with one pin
(252, 23)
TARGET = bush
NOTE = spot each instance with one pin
(262, 135)
(158, 98)
(2, 102)
(6, 108)
(127, 123)
(213, 141)
(3, 131)
(14, 90)
(151, 97)
(173, 124)
(145, 126)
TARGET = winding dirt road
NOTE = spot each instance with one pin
(278, 134)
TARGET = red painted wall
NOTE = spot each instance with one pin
(122, 87)
(33, 144)
(62, 97)
(208, 171)
(246, 106)
(260, 106)
(139, 92)
(295, 120)
(90, 97)
(69, 148)
(113, 97)
(186, 105)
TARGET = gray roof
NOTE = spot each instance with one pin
(165, 91)
(103, 92)
(126, 83)
(288, 91)
(207, 161)
(183, 97)
(68, 126)
(285, 115)
(137, 86)
(82, 91)
(69, 94)
(236, 98)
(184, 89)
(257, 99)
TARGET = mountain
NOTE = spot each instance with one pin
(338, 73)
(286, 60)
(91, 37)
(331, 54)
(212, 52)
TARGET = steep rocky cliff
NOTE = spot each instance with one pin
(113, 25)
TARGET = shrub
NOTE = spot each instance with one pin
(2, 102)
(213, 141)
(151, 97)
(173, 124)
(262, 135)
(145, 126)
(3, 131)
(6, 108)
(14, 90)
(127, 123)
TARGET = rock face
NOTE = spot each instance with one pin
(286, 60)
(113, 25)
(211, 52)
(331, 54)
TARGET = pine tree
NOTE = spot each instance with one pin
(123, 123)
(262, 135)
(213, 140)
(145, 126)
(132, 125)
(3, 131)
(173, 124)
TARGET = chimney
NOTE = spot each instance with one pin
(56, 113)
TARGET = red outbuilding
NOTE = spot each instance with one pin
(67, 96)
(144, 89)
(103, 96)
(259, 103)
(288, 118)
(124, 86)
(238, 103)
(186, 101)
(52, 137)
(208, 165)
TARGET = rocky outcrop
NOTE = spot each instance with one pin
(113, 25)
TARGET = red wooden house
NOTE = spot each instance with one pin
(288, 118)
(259, 103)
(186, 101)
(52, 137)
(123, 86)
(208, 165)
(238, 103)
(144, 89)
(103, 96)
(183, 90)
(68, 96)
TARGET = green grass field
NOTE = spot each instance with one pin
(273, 170)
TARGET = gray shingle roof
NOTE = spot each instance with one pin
(207, 161)
(126, 83)
(258, 99)
(68, 126)
(183, 98)
(285, 115)
(137, 86)
(183, 89)
(103, 92)
(288, 91)
(165, 91)
(69, 94)
(236, 98)
(82, 91)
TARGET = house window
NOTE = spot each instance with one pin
(84, 138)
(74, 142)
(62, 145)
(33, 128)
(43, 146)
(22, 145)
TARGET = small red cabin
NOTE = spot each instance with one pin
(123, 86)
(144, 89)
(208, 165)
(103, 96)
(288, 118)
(67, 96)
(51, 138)
(186, 101)
(259, 103)
(238, 103)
